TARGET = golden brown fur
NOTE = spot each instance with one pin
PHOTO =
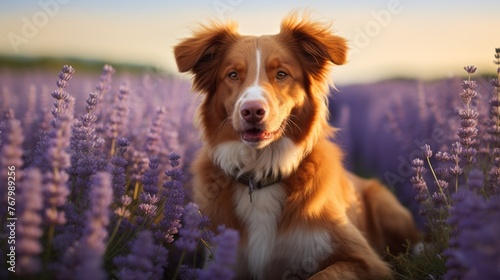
(319, 220)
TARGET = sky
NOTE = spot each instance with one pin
(387, 38)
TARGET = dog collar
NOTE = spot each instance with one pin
(248, 179)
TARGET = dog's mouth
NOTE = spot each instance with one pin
(256, 135)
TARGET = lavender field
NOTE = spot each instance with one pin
(95, 179)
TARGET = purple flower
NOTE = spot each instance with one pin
(494, 179)
(124, 203)
(474, 246)
(119, 116)
(87, 152)
(145, 261)
(95, 233)
(72, 231)
(468, 119)
(95, 98)
(139, 164)
(29, 228)
(456, 157)
(468, 93)
(418, 181)
(493, 132)
(470, 69)
(426, 151)
(174, 159)
(57, 158)
(147, 210)
(173, 207)
(187, 273)
(150, 176)
(438, 199)
(101, 196)
(84, 259)
(226, 250)
(189, 234)
(460, 215)
(104, 84)
(117, 167)
(148, 199)
(11, 151)
(154, 135)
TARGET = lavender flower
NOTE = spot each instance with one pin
(468, 93)
(154, 135)
(443, 170)
(188, 273)
(57, 157)
(494, 179)
(226, 244)
(174, 159)
(468, 119)
(29, 227)
(470, 69)
(119, 115)
(438, 199)
(456, 157)
(418, 181)
(474, 246)
(72, 231)
(174, 202)
(426, 151)
(83, 260)
(95, 233)
(11, 152)
(148, 199)
(70, 153)
(101, 89)
(145, 261)
(118, 164)
(493, 131)
(104, 84)
(85, 153)
(459, 209)
(150, 177)
(124, 202)
(139, 164)
(189, 234)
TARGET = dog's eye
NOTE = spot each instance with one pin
(233, 75)
(280, 76)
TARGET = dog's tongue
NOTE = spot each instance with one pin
(255, 135)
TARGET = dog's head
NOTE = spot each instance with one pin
(261, 89)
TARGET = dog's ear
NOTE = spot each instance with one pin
(314, 42)
(202, 53)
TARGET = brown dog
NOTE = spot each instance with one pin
(267, 167)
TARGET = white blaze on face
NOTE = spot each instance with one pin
(254, 92)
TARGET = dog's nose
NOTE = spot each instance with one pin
(253, 111)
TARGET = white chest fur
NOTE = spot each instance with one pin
(300, 249)
(261, 220)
